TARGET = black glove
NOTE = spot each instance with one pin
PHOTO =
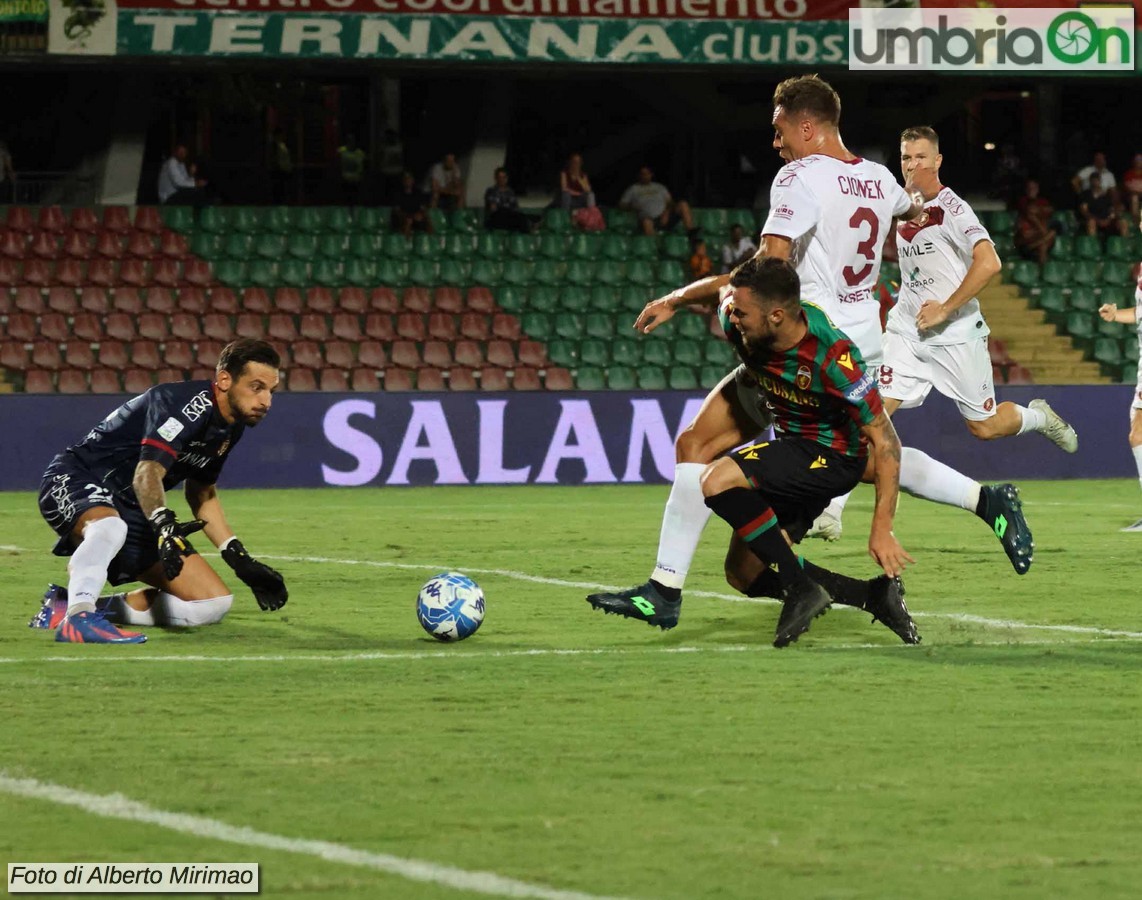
(173, 545)
(267, 584)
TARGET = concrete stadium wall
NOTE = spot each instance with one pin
(310, 440)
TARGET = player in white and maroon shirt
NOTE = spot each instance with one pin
(937, 336)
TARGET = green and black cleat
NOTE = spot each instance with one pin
(643, 602)
(1003, 512)
(802, 604)
(886, 603)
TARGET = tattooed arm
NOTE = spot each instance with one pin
(148, 484)
(884, 459)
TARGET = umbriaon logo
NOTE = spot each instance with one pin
(1097, 39)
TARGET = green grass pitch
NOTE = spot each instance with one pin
(591, 756)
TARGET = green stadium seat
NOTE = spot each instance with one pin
(581, 272)
(563, 353)
(599, 325)
(469, 220)
(631, 299)
(178, 218)
(619, 378)
(657, 353)
(713, 222)
(330, 272)
(1087, 272)
(453, 271)
(1004, 245)
(999, 221)
(1087, 247)
(246, 219)
(544, 298)
(652, 378)
(422, 272)
(1054, 303)
(390, 272)
(427, 246)
(621, 221)
(1063, 248)
(339, 219)
(1108, 354)
(595, 352)
(687, 353)
(1080, 327)
(690, 326)
(1107, 329)
(1083, 298)
(373, 219)
(641, 272)
(584, 246)
(461, 246)
(396, 246)
(553, 246)
(557, 221)
(539, 326)
(364, 245)
(490, 245)
(672, 272)
(360, 272)
(609, 272)
(309, 219)
(238, 245)
(568, 325)
(263, 273)
(301, 245)
(627, 347)
(709, 375)
(746, 219)
(270, 246)
(545, 271)
(278, 220)
(517, 271)
(511, 298)
(1129, 373)
(721, 353)
(1116, 274)
(682, 378)
(574, 298)
(294, 272)
(591, 379)
(1025, 273)
(206, 244)
(1057, 273)
(332, 246)
(487, 272)
(523, 246)
(643, 246)
(616, 246)
(676, 246)
(231, 272)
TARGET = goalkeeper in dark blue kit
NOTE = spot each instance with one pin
(106, 499)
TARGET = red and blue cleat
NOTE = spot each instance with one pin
(53, 610)
(93, 628)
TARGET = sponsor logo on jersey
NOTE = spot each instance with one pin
(845, 361)
(921, 249)
(782, 212)
(170, 429)
(819, 463)
(974, 229)
(198, 404)
(804, 378)
(861, 389)
(776, 388)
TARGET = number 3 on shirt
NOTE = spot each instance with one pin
(866, 248)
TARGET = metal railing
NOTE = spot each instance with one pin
(43, 188)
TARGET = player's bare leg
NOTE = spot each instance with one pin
(1136, 449)
(1011, 419)
(721, 424)
(197, 596)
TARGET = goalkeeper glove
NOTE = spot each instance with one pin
(173, 545)
(267, 584)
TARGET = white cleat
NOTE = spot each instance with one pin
(1057, 430)
(827, 527)
(1136, 527)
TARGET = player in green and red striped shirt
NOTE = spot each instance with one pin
(831, 432)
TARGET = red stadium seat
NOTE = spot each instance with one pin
(102, 273)
(340, 355)
(88, 326)
(79, 245)
(52, 218)
(62, 299)
(371, 354)
(430, 380)
(202, 373)
(475, 326)
(145, 355)
(127, 299)
(320, 299)
(405, 355)
(54, 327)
(113, 355)
(469, 353)
(437, 354)
(197, 271)
(136, 381)
(442, 326)
(148, 218)
(493, 379)
(398, 380)
(71, 272)
(9, 272)
(38, 381)
(379, 326)
(524, 379)
(288, 300)
(532, 353)
(14, 355)
(174, 245)
(223, 300)
(349, 299)
(248, 325)
(13, 244)
(45, 355)
(364, 380)
(20, 218)
(480, 299)
(94, 299)
(108, 244)
(505, 326)
(347, 327)
(160, 300)
(153, 327)
(461, 380)
(501, 354)
(301, 380)
(120, 326)
(117, 218)
(169, 376)
(38, 272)
(307, 355)
(142, 245)
(448, 299)
(218, 327)
(83, 218)
(30, 300)
(105, 381)
(6, 302)
(411, 326)
(416, 299)
(256, 300)
(185, 327)
(282, 328)
(178, 355)
(191, 300)
(45, 245)
(73, 381)
(314, 327)
(167, 272)
(557, 379)
(333, 380)
(21, 327)
(384, 299)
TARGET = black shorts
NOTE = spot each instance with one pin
(798, 478)
(68, 490)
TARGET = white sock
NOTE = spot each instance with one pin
(1030, 419)
(684, 519)
(836, 507)
(119, 611)
(171, 610)
(1137, 451)
(87, 568)
(922, 476)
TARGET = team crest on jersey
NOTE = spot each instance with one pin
(804, 378)
(988, 404)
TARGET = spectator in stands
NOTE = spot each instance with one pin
(7, 175)
(410, 208)
(177, 184)
(654, 206)
(737, 249)
(501, 206)
(351, 169)
(1132, 187)
(700, 263)
(1034, 236)
(1098, 212)
(1081, 181)
(281, 168)
(446, 184)
(574, 185)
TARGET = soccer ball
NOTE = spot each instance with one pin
(450, 606)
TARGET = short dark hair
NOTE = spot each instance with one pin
(921, 133)
(500, 169)
(773, 280)
(809, 95)
(235, 356)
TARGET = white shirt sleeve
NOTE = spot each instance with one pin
(793, 209)
(178, 174)
(901, 202)
(963, 224)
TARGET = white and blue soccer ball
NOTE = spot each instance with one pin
(450, 606)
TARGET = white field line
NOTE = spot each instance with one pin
(116, 806)
(965, 618)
